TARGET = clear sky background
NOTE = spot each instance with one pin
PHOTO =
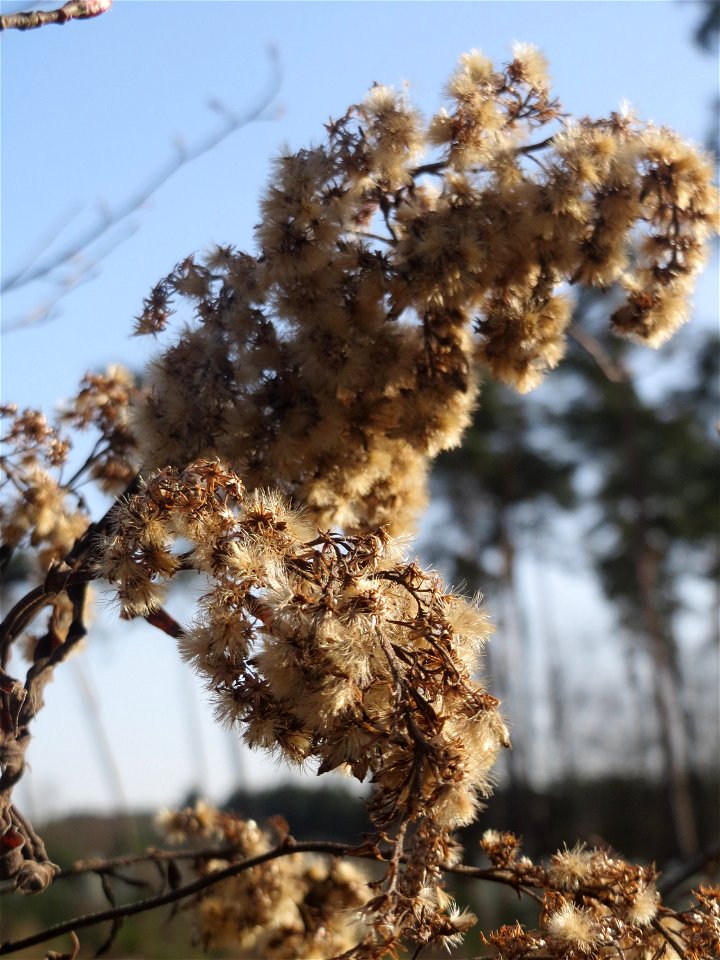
(93, 109)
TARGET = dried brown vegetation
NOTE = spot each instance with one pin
(280, 448)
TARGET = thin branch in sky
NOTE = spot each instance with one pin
(77, 273)
(72, 10)
(184, 155)
(44, 242)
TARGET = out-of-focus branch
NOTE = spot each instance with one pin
(287, 848)
(705, 862)
(163, 621)
(80, 273)
(72, 10)
(613, 370)
(23, 859)
(526, 878)
(151, 855)
(231, 123)
(73, 572)
(171, 896)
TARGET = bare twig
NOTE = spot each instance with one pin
(44, 242)
(163, 621)
(705, 860)
(151, 855)
(612, 370)
(25, 860)
(671, 938)
(439, 166)
(232, 122)
(57, 580)
(172, 896)
(288, 848)
(505, 877)
(72, 10)
(82, 272)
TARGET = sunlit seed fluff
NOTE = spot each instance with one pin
(456, 805)
(533, 65)
(140, 599)
(458, 921)
(570, 868)
(477, 66)
(395, 137)
(573, 925)
(644, 908)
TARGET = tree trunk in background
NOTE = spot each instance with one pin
(658, 635)
(667, 693)
(557, 693)
(514, 659)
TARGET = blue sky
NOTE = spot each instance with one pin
(92, 109)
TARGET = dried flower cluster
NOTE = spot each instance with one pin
(596, 907)
(103, 402)
(318, 380)
(41, 506)
(44, 515)
(348, 351)
(291, 907)
(592, 904)
(330, 648)
(35, 508)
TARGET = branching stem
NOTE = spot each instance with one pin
(328, 848)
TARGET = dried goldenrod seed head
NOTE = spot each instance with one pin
(644, 907)
(570, 869)
(346, 354)
(323, 648)
(283, 440)
(574, 926)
